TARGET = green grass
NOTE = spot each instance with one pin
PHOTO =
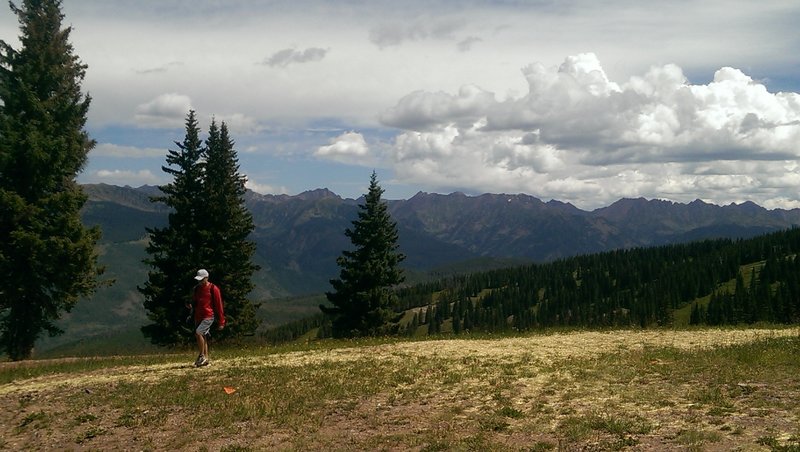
(776, 446)
(384, 397)
(694, 439)
(32, 369)
(621, 427)
(34, 420)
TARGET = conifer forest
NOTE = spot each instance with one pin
(714, 282)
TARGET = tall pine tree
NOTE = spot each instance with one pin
(363, 297)
(208, 227)
(47, 258)
(176, 251)
(227, 224)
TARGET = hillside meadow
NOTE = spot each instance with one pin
(704, 389)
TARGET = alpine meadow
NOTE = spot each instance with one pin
(660, 312)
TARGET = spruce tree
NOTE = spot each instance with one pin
(456, 322)
(47, 258)
(176, 251)
(226, 225)
(363, 297)
(694, 317)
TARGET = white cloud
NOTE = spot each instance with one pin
(289, 56)
(781, 203)
(573, 131)
(266, 189)
(349, 147)
(578, 133)
(121, 177)
(115, 150)
(239, 124)
(423, 111)
(167, 110)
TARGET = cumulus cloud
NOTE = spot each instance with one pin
(422, 110)
(285, 57)
(349, 147)
(576, 133)
(165, 111)
(240, 124)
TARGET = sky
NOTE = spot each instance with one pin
(581, 101)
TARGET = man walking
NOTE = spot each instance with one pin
(207, 303)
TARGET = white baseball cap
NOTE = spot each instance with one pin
(201, 274)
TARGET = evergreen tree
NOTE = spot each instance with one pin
(468, 314)
(176, 251)
(47, 258)
(412, 326)
(363, 298)
(695, 317)
(432, 321)
(456, 322)
(226, 224)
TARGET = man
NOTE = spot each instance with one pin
(207, 302)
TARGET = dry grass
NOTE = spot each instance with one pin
(619, 390)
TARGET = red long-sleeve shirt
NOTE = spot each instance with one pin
(208, 303)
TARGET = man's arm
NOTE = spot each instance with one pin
(218, 309)
(190, 306)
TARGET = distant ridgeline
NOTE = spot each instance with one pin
(710, 282)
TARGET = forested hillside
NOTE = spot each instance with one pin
(721, 281)
(637, 287)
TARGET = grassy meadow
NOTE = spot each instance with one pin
(703, 389)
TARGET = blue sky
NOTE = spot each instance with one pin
(581, 101)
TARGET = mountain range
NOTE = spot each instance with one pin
(299, 237)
